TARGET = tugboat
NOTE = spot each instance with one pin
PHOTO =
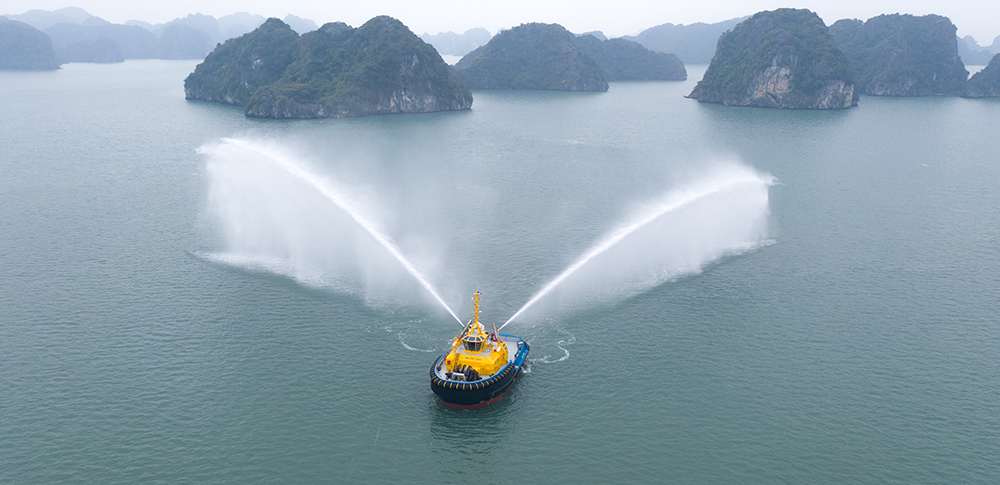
(480, 367)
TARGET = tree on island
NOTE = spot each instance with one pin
(549, 57)
(784, 59)
(902, 55)
(532, 56)
(625, 60)
(336, 71)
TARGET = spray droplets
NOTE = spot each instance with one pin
(234, 157)
(724, 212)
(277, 215)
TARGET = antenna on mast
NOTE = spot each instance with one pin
(475, 308)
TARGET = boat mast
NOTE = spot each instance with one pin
(475, 310)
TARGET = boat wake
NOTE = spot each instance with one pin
(546, 344)
(547, 359)
(407, 347)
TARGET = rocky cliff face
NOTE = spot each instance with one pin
(985, 83)
(783, 59)
(269, 105)
(772, 88)
(902, 55)
(334, 72)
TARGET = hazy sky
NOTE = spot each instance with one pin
(979, 18)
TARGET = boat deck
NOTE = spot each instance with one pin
(512, 350)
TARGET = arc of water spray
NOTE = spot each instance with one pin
(321, 187)
(624, 232)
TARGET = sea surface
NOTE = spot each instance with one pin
(760, 296)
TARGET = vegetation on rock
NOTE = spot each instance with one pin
(532, 56)
(784, 58)
(237, 68)
(624, 60)
(336, 71)
(985, 83)
(902, 55)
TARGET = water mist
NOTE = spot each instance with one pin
(722, 212)
(277, 215)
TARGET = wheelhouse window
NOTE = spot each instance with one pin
(473, 344)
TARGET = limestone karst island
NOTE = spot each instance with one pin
(780, 59)
(902, 55)
(785, 59)
(334, 72)
(549, 57)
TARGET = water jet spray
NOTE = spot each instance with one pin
(721, 182)
(323, 188)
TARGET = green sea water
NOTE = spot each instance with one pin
(176, 307)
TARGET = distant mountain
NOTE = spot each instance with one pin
(102, 42)
(139, 23)
(532, 56)
(784, 59)
(452, 44)
(902, 55)
(224, 28)
(971, 53)
(204, 23)
(179, 41)
(300, 25)
(624, 60)
(23, 47)
(43, 19)
(993, 48)
(101, 50)
(336, 71)
(78, 36)
(597, 34)
(239, 23)
(985, 83)
(693, 44)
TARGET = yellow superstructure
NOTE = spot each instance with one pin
(477, 349)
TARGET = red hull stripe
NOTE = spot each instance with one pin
(473, 406)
